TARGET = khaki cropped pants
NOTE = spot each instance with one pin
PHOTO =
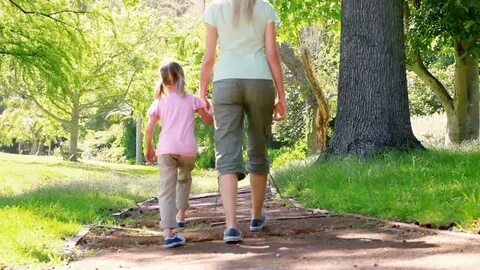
(175, 185)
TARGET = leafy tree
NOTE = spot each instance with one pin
(450, 29)
(297, 18)
(21, 120)
(372, 93)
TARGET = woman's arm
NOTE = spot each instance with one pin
(208, 62)
(274, 62)
(150, 157)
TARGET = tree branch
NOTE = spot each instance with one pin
(431, 81)
(48, 15)
(47, 111)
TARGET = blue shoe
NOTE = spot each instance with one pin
(258, 224)
(232, 236)
(175, 240)
(181, 225)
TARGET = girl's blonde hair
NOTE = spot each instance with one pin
(170, 74)
(237, 9)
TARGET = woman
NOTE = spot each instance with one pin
(244, 77)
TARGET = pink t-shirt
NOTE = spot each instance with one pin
(176, 114)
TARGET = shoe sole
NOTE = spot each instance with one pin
(232, 239)
(259, 228)
(175, 244)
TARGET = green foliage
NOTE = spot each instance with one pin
(296, 15)
(295, 127)
(22, 120)
(421, 99)
(443, 21)
(429, 186)
(279, 158)
(129, 138)
(104, 145)
(40, 37)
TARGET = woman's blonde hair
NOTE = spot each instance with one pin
(170, 74)
(237, 10)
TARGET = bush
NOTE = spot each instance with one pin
(104, 145)
(281, 157)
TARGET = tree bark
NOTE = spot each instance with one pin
(322, 114)
(138, 142)
(463, 121)
(298, 67)
(33, 147)
(372, 92)
(74, 122)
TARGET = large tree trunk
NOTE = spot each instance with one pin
(33, 147)
(463, 120)
(72, 156)
(372, 92)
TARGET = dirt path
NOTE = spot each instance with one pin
(295, 238)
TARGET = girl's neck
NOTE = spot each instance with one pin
(170, 88)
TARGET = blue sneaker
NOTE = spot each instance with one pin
(181, 225)
(175, 240)
(258, 224)
(232, 236)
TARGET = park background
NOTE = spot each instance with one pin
(76, 78)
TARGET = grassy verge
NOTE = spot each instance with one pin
(44, 200)
(428, 186)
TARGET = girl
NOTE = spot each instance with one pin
(177, 148)
(247, 79)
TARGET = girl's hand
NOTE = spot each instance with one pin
(280, 110)
(150, 155)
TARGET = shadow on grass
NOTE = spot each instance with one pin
(77, 201)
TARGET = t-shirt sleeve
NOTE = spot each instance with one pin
(197, 103)
(154, 111)
(210, 15)
(272, 15)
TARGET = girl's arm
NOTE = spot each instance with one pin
(274, 62)
(208, 62)
(207, 117)
(150, 157)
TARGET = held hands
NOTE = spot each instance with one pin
(280, 110)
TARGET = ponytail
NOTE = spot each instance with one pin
(170, 74)
(237, 8)
(158, 92)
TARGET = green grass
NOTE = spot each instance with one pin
(425, 186)
(44, 200)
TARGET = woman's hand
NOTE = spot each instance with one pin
(150, 155)
(280, 110)
(208, 106)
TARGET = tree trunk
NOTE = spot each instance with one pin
(72, 156)
(463, 121)
(322, 113)
(33, 147)
(138, 143)
(372, 92)
(298, 69)
(20, 146)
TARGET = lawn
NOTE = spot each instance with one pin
(436, 187)
(44, 200)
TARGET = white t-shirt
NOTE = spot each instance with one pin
(242, 48)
